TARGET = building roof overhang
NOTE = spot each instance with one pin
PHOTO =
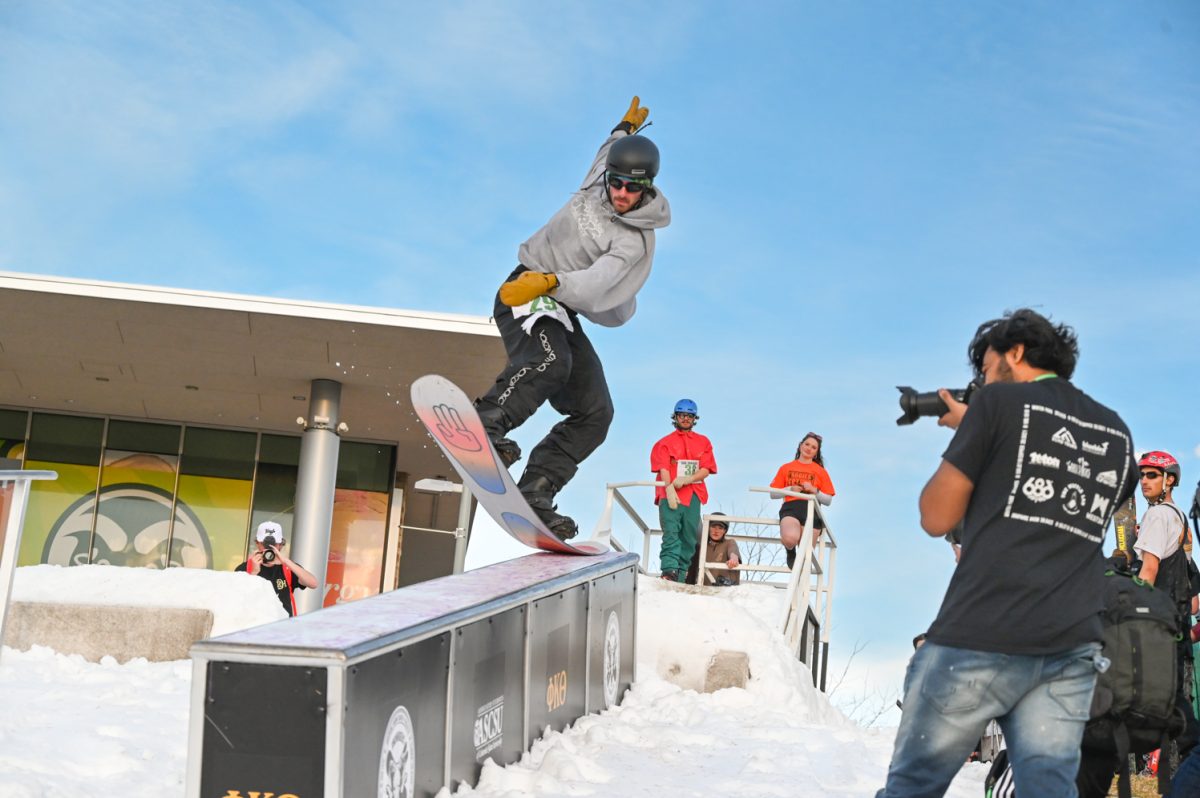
(100, 348)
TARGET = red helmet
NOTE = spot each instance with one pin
(1163, 460)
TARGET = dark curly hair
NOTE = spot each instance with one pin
(1047, 346)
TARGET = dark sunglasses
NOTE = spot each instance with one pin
(811, 435)
(632, 186)
(1151, 474)
(686, 415)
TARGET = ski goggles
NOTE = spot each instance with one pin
(634, 185)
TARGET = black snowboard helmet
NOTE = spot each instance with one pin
(633, 156)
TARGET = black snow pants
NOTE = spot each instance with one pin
(555, 364)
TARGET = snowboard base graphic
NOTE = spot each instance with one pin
(451, 419)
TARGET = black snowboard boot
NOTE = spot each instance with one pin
(791, 557)
(539, 492)
(495, 423)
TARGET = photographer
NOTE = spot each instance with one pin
(1034, 471)
(268, 561)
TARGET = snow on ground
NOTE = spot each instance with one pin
(778, 737)
(73, 728)
(237, 600)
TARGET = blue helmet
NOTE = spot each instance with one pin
(686, 406)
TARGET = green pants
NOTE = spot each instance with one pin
(680, 531)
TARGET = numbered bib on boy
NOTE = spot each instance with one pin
(539, 308)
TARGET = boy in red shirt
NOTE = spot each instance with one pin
(681, 460)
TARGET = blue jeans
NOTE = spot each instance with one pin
(950, 694)
(1187, 779)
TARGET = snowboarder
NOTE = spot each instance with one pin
(589, 260)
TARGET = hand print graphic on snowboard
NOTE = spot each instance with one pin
(451, 419)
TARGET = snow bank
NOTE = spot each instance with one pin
(73, 728)
(237, 600)
(681, 628)
(778, 737)
(95, 730)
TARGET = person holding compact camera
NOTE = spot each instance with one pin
(1035, 471)
(269, 561)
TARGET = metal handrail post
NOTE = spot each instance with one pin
(828, 612)
(12, 531)
(613, 494)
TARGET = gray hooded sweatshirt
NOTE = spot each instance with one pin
(601, 258)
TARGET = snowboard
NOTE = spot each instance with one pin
(451, 420)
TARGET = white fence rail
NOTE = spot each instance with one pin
(808, 600)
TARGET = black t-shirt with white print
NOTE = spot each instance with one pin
(1050, 465)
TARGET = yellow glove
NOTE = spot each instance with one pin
(634, 118)
(527, 287)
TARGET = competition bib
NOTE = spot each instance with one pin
(539, 308)
(685, 468)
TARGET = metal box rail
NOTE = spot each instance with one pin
(403, 693)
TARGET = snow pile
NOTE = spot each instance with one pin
(237, 600)
(69, 727)
(73, 728)
(681, 628)
(778, 737)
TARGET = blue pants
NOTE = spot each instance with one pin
(950, 694)
(1187, 779)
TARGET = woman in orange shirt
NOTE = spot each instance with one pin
(806, 474)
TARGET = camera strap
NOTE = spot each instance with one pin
(287, 577)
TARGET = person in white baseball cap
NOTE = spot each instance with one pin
(269, 561)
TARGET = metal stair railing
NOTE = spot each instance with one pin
(808, 599)
(613, 496)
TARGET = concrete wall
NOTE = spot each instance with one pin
(95, 631)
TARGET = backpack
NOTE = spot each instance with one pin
(999, 782)
(1134, 707)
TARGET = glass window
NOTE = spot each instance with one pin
(65, 439)
(137, 436)
(280, 449)
(359, 533)
(134, 524)
(12, 424)
(365, 466)
(218, 453)
(275, 484)
(215, 491)
(58, 520)
(12, 438)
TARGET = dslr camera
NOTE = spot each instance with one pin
(913, 405)
(269, 542)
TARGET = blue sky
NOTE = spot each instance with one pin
(855, 186)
